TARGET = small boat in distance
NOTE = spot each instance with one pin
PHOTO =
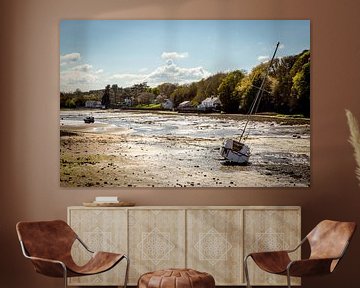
(89, 119)
(236, 152)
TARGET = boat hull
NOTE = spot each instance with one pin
(235, 152)
(89, 119)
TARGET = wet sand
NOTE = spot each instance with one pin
(103, 155)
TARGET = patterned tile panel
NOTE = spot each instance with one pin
(214, 241)
(100, 230)
(270, 230)
(157, 240)
(156, 246)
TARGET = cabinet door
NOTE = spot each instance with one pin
(214, 244)
(156, 240)
(101, 230)
(270, 230)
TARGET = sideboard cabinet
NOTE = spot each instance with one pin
(211, 239)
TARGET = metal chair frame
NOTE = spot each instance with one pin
(23, 249)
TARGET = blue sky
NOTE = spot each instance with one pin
(94, 53)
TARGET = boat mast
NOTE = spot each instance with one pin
(260, 91)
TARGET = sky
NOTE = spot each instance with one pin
(94, 53)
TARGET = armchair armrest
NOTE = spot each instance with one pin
(298, 246)
(83, 244)
(49, 267)
(314, 266)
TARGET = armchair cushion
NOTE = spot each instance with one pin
(99, 262)
(310, 267)
(272, 262)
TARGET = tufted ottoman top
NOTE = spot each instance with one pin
(176, 278)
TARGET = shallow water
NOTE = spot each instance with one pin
(174, 124)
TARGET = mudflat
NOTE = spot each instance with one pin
(171, 150)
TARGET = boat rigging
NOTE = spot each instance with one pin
(236, 152)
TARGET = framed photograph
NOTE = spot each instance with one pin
(185, 103)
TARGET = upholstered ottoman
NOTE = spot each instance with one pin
(176, 278)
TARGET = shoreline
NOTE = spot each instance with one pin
(260, 117)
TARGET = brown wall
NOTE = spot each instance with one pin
(29, 113)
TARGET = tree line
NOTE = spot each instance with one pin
(286, 91)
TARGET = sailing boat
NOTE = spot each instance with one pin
(237, 152)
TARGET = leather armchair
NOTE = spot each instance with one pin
(48, 245)
(328, 242)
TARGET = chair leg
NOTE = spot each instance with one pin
(246, 270)
(127, 271)
(65, 276)
(288, 278)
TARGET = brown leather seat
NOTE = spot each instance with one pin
(176, 278)
(328, 242)
(48, 245)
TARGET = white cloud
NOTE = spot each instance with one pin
(82, 68)
(175, 74)
(128, 78)
(170, 73)
(85, 77)
(281, 46)
(174, 55)
(81, 76)
(263, 58)
(70, 58)
(73, 77)
(74, 74)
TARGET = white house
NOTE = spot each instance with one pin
(128, 102)
(167, 104)
(209, 104)
(93, 104)
(185, 104)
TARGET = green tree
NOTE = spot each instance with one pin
(282, 82)
(63, 98)
(115, 89)
(134, 91)
(183, 93)
(154, 91)
(284, 71)
(106, 97)
(281, 93)
(301, 90)
(160, 98)
(166, 89)
(208, 87)
(301, 60)
(70, 103)
(145, 98)
(228, 95)
(249, 87)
